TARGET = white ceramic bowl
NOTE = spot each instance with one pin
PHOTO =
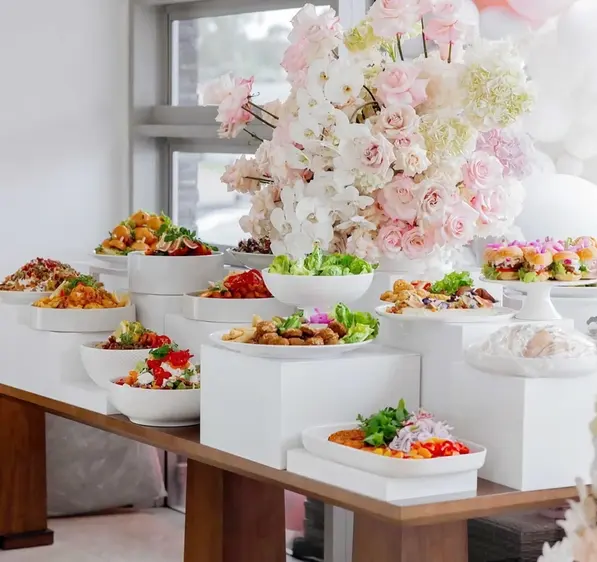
(317, 291)
(116, 261)
(157, 408)
(22, 297)
(173, 275)
(241, 311)
(105, 365)
(252, 261)
(80, 320)
(315, 440)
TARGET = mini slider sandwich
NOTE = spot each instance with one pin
(588, 258)
(536, 266)
(566, 266)
(503, 263)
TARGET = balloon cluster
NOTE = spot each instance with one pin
(561, 37)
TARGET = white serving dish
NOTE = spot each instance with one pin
(317, 291)
(495, 314)
(157, 408)
(22, 297)
(173, 275)
(252, 261)
(80, 320)
(116, 261)
(105, 365)
(242, 311)
(285, 351)
(582, 292)
(315, 440)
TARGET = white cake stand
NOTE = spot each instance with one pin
(537, 305)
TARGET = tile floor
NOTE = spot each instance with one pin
(154, 535)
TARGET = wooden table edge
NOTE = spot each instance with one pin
(503, 499)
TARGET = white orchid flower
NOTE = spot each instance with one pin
(344, 83)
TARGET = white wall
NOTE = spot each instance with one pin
(63, 126)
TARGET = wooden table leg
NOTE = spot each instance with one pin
(379, 541)
(230, 518)
(23, 500)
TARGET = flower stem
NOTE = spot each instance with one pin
(262, 180)
(253, 135)
(450, 53)
(399, 44)
(371, 94)
(359, 109)
(264, 110)
(246, 108)
(424, 38)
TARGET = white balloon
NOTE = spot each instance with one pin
(549, 121)
(577, 29)
(543, 163)
(559, 206)
(499, 23)
(568, 164)
(539, 10)
(581, 144)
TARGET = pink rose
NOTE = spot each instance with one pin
(389, 239)
(368, 153)
(392, 17)
(447, 9)
(481, 171)
(320, 33)
(295, 62)
(396, 121)
(459, 224)
(418, 243)
(433, 203)
(443, 32)
(490, 205)
(398, 84)
(397, 199)
(232, 111)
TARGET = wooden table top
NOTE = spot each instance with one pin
(490, 499)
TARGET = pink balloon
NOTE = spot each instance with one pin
(482, 4)
(539, 10)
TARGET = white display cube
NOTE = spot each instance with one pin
(535, 430)
(271, 401)
(302, 462)
(192, 334)
(152, 309)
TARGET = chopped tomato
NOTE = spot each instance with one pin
(163, 340)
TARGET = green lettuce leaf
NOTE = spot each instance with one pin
(490, 272)
(450, 284)
(280, 265)
(358, 333)
(360, 326)
(558, 268)
(314, 261)
(527, 276)
(332, 271)
(319, 264)
(292, 322)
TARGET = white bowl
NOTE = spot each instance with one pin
(173, 275)
(115, 260)
(22, 297)
(79, 320)
(242, 311)
(252, 261)
(105, 365)
(157, 408)
(317, 291)
(315, 440)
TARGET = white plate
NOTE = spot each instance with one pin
(173, 275)
(105, 365)
(495, 314)
(22, 297)
(315, 440)
(157, 408)
(252, 261)
(317, 291)
(285, 351)
(117, 261)
(239, 311)
(79, 320)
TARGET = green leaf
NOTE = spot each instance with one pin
(280, 265)
(161, 352)
(450, 284)
(490, 272)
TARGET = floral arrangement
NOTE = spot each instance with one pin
(376, 155)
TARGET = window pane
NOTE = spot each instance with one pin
(245, 44)
(202, 201)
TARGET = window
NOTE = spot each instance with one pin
(202, 202)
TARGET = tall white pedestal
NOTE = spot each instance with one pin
(271, 402)
(152, 309)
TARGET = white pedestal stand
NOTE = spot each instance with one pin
(152, 310)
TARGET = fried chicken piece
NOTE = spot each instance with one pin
(296, 341)
(315, 340)
(403, 295)
(266, 327)
(422, 293)
(340, 329)
(272, 339)
(353, 438)
(402, 285)
(388, 296)
(328, 335)
(292, 333)
(307, 331)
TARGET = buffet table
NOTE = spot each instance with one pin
(235, 507)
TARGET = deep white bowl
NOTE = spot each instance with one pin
(173, 275)
(22, 297)
(80, 320)
(242, 311)
(157, 408)
(105, 365)
(317, 291)
(252, 261)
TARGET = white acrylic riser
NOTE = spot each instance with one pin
(152, 309)
(192, 334)
(579, 310)
(383, 281)
(47, 363)
(382, 488)
(271, 402)
(441, 346)
(535, 430)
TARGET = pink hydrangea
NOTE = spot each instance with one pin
(514, 151)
